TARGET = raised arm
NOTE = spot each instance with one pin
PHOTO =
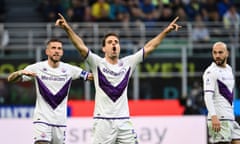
(76, 40)
(153, 43)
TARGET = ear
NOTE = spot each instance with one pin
(103, 49)
(46, 51)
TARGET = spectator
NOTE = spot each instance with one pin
(231, 19)
(100, 11)
(193, 8)
(166, 14)
(223, 6)
(118, 11)
(181, 13)
(216, 26)
(135, 11)
(51, 10)
(210, 10)
(149, 11)
(79, 11)
(200, 34)
(127, 35)
(175, 5)
(178, 9)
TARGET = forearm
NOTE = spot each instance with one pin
(77, 41)
(155, 42)
(15, 76)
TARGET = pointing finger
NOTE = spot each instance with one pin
(174, 21)
(61, 16)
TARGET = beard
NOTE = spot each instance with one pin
(220, 62)
(113, 56)
(54, 60)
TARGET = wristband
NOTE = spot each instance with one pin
(84, 74)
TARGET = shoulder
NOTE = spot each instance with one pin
(229, 67)
(67, 65)
(138, 53)
(210, 70)
(93, 57)
(37, 64)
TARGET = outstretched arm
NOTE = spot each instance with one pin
(17, 76)
(76, 40)
(153, 43)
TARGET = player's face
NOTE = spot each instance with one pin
(112, 47)
(220, 55)
(54, 51)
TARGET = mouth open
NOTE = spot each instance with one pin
(114, 48)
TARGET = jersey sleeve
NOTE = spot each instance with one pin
(209, 90)
(31, 68)
(78, 72)
(92, 60)
(209, 81)
(135, 58)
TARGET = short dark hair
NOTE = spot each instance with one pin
(54, 40)
(106, 36)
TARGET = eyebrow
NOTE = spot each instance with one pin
(218, 51)
(112, 40)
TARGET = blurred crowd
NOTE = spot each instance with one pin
(135, 10)
(220, 12)
(138, 10)
(223, 13)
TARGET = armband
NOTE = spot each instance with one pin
(84, 75)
